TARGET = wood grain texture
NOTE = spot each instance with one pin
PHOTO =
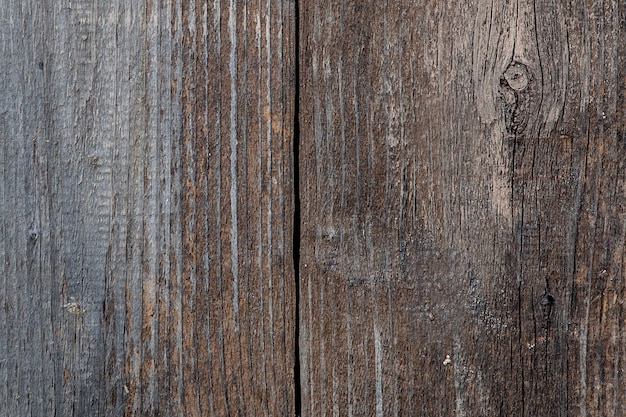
(463, 208)
(146, 208)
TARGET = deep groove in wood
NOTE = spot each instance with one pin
(296, 220)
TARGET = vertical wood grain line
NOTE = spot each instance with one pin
(234, 252)
(297, 220)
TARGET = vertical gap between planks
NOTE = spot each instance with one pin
(297, 219)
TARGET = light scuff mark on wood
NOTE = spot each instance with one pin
(234, 241)
(378, 363)
(73, 308)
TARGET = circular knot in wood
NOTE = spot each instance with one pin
(516, 76)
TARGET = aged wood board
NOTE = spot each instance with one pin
(463, 208)
(146, 208)
(268, 208)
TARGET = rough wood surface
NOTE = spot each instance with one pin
(463, 205)
(146, 206)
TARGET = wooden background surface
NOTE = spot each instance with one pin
(463, 195)
(147, 208)
(264, 208)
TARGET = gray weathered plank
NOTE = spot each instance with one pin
(463, 207)
(146, 208)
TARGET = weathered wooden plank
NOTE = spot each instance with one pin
(27, 337)
(237, 208)
(463, 208)
(146, 210)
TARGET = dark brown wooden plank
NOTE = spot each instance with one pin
(463, 208)
(237, 208)
(146, 206)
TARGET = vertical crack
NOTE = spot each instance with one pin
(297, 219)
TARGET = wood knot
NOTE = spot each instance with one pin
(547, 300)
(516, 76)
(546, 303)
